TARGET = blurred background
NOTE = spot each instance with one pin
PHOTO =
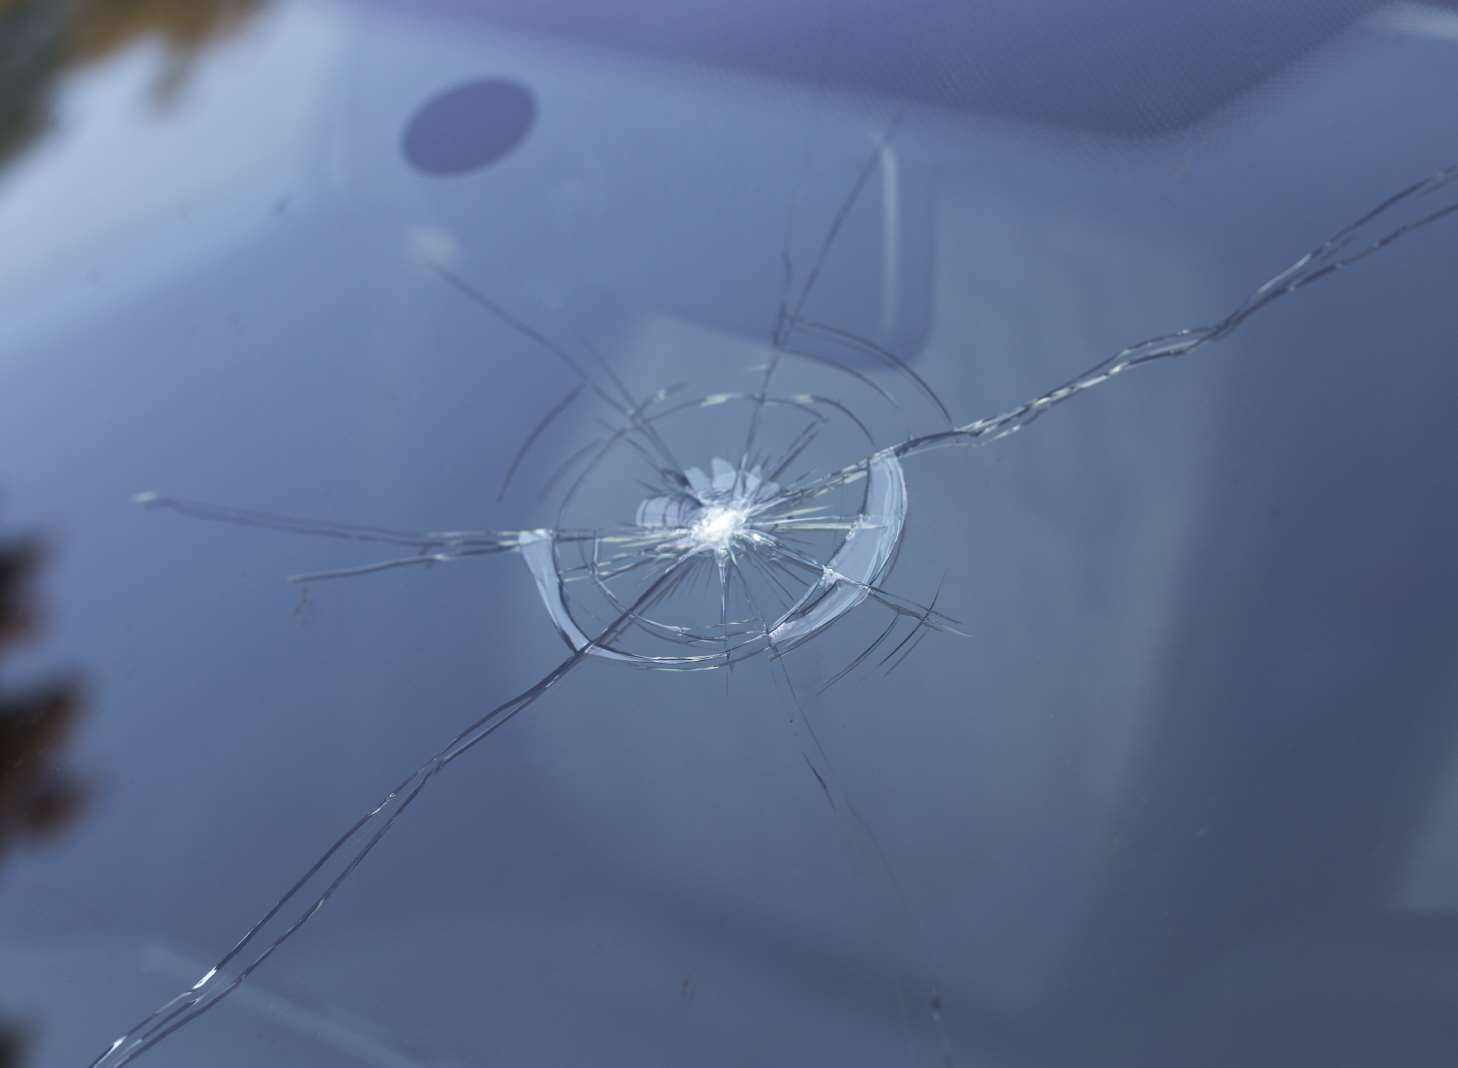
(1187, 795)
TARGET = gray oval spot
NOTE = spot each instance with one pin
(469, 126)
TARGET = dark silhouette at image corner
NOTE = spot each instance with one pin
(39, 796)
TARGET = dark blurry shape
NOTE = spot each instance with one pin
(469, 126)
(41, 38)
(32, 47)
(37, 795)
(184, 26)
(13, 1044)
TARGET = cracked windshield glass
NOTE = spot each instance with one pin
(678, 532)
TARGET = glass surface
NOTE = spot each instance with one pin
(1152, 759)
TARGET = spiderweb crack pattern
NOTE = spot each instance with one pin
(756, 553)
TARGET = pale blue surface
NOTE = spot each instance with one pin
(1193, 776)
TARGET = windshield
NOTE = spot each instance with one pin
(658, 533)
